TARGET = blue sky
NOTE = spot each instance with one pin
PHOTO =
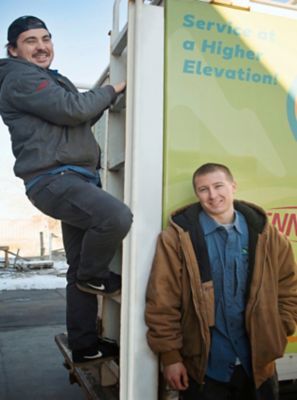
(80, 36)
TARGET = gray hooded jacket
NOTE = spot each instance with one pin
(48, 119)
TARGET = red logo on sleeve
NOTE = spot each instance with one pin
(41, 86)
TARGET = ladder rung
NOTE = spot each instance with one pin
(120, 42)
(116, 163)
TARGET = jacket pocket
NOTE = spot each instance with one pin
(268, 337)
(192, 341)
(77, 146)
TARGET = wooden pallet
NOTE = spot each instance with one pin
(99, 380)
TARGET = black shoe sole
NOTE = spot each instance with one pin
(100, 292)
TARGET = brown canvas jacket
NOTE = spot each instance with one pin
(180, 308)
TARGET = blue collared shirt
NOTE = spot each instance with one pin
(227, 247)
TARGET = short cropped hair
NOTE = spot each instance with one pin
(209, 168)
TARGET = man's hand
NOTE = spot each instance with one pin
(176, 376)
(119, 87)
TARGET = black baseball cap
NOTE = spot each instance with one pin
(23, 24)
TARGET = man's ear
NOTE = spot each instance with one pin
(12, 51)
(234, 184)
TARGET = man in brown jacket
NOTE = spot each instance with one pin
(222, 295)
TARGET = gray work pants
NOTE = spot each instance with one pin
(94, 224)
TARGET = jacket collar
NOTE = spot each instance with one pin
(187, 219)
(256, 217)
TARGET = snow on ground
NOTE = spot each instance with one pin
(47, 278)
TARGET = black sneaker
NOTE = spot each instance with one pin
(105, 286)
(105, 349)
(108, 347)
